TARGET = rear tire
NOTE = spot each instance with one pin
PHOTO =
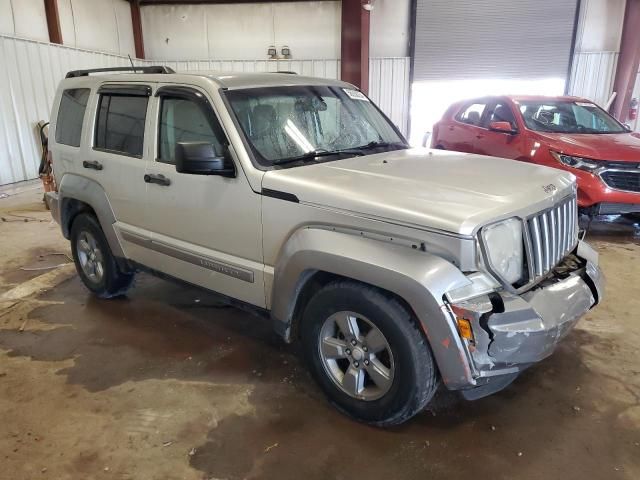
(94, 261)
(367, 353)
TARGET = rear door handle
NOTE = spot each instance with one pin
(158, 179)
(93, 164)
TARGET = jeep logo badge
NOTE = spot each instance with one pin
(549, 188)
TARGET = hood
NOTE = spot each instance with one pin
(433, 189)
(609, 146)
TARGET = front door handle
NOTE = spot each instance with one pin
(93, 164)
(158, 179)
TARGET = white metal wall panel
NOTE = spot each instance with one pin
(24, 18)
(103, 25)
(242, 31)
(27, 87)
(389, 88)
(309, 29)
(458, 39)
(122, 12)
(592, 75)
(6, 18)
(313, 68)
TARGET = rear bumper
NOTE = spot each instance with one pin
(512, 332)
(53, 201)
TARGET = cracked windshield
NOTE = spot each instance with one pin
(298, 124)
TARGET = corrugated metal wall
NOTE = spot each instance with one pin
(389, 88)
(29, 76)
(32, 70)
(314, 68)
(592, 75)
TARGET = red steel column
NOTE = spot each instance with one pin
(628, 61)
(53, 21)
(354, 47)
(137, 28)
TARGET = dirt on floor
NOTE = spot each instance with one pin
(171, 383)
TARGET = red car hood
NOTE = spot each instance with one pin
(610, 146)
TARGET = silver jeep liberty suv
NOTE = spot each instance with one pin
(397, 269)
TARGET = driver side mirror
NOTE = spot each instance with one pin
(200, 158)
(502, 127)
(627, 127)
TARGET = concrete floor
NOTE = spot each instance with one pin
(169, 383)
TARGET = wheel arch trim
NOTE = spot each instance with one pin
(77, 188)
(419, 278)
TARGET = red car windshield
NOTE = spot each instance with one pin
(568, 117)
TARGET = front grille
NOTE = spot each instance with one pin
(606, 208)
(628, 180)
(552, 234)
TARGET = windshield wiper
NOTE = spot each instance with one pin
(376, 144)
(316, 154)
(359, 151)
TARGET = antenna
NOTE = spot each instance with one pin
(132, 65)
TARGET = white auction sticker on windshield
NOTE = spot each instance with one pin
(355, 94)
(584, 104)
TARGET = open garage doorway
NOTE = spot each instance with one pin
(490, 47)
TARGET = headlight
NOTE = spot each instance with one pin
(577, 162)
(504, 249)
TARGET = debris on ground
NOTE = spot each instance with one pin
(576, 408)
(38, 266)
(167, 444)
(192, 452)
(270, 447)
(519, 454)
(24, 324)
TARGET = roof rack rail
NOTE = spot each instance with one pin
(152, 69)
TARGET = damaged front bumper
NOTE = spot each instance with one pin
(510, 332)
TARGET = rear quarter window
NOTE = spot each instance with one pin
(73, 104)
(471, 113)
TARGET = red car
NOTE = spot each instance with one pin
(568, 133)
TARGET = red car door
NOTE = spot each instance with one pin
(499, 143)
(460, 132)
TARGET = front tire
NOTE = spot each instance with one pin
(94, 261)
(367, 353)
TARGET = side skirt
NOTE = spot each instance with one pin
(239, 304)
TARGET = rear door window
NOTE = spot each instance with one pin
(120, 123)
(472, 114)
(73, 104)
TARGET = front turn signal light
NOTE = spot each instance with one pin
(464, 327)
